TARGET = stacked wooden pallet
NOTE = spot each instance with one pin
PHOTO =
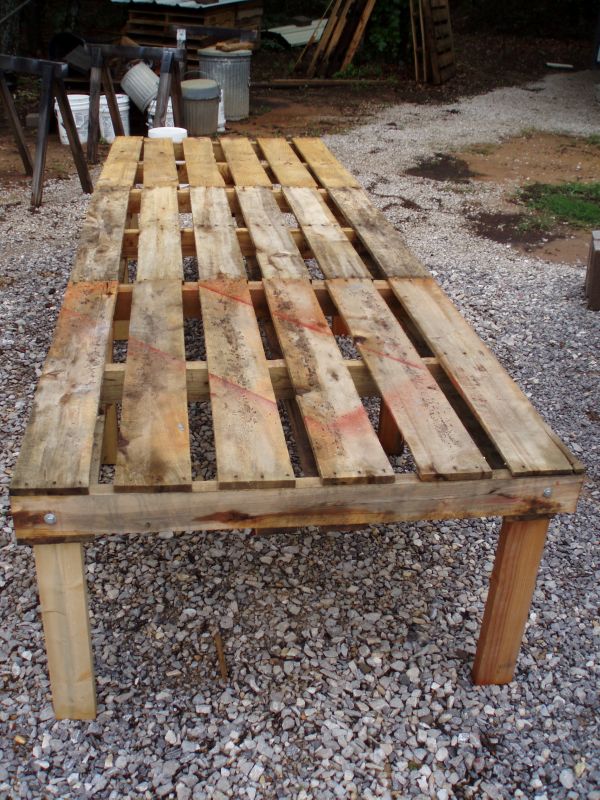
(340, 40)
(154, 26)
(433, 46)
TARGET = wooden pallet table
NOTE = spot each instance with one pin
(292, 268)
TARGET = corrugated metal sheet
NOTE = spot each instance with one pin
(191, 4)
(298, 35)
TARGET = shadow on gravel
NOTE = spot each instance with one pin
(442, 167)
(508, 229)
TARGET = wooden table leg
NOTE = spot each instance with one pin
(164, 90)
(63, 599)
(15, 123)
(41, 147)
(76, 149)
(94, 108)
(509, 598)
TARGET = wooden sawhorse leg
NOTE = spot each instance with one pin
(15, 124)
(63, 599)
(509, 598)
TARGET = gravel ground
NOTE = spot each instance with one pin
(349, 653)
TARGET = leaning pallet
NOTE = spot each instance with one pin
(433, 47)
(289, 256)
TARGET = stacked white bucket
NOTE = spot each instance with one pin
(80, 108)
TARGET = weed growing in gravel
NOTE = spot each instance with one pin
(574, 203)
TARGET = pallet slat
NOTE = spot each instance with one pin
(98, 256)
(440, 445)
(383, 242)
(121, 163)
(286, 166)
(276, 251)
(324, 164)
(243, 162)
(249, 441)
(218, 249)
(201, 165)
(335, 254)
(56, 452)
(345, 446)
(521, 436)
(159, 244)
(159, 163)
(154, 443)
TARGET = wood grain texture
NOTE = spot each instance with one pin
(201, 165)
(217, 246)
(344, 443)
(243, 162)
(328, 170)
(286, 166)
(336, 256)
(438, 441)
(154, 445)
(121, 163)
(98, 255)
(159, 245)
(249, 440)
(159, 163)
(517, 430)
(62, 587)
(512, 584)
(57, 447)
(382, 241)
(276, 252)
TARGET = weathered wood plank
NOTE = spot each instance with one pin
(335, 254)
(345, 445)
(121, 163)
(249, 440)
(519, 433)
(200, 162)
(56, 451)
(507, 608)
(276, 251)
(154, 445)
(217, 246)
(98, 255)
(439, 443)
(286, 166)
(159, 244)
(243, 162)
(60, 570)
(159, 163)
(383, 242)
(324, 164)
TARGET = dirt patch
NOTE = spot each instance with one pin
(505, 228)
(443, 167)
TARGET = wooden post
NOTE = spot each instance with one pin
(73, 137)
(111, 99)
(45, 111)
(94, 108)
(63, 599)
(592, 276)
(176, 96)
(164, 89)
(15, 123)
(509, 598)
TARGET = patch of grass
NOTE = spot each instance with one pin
(574, 203)
(482, 148)
(593, 139)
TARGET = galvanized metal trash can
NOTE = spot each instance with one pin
(232, 72)
(200, 106)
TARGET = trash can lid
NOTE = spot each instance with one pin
(199, 89)
(212, 52)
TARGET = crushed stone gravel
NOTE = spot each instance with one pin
(348, 653)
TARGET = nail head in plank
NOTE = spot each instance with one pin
(159, 243)
(56, 452)
(276, 251)
(243, 162)
(249, 440)
(200, 162)
(439, 443)
(286, 166)
(519, 433)
(218, 249)
(154, 443)
(121, 163)
(383, 242)
(345, 446)
(159, 163)
(336, 256)
(100, 247)
(323, 163)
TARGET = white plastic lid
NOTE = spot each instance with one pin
(176, 134)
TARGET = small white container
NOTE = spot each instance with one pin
(107, 131)
(176, 134)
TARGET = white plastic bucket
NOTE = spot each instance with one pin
(176, 134)
(107, 131)
(141, 84)
(169, 121)
(80, 105)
